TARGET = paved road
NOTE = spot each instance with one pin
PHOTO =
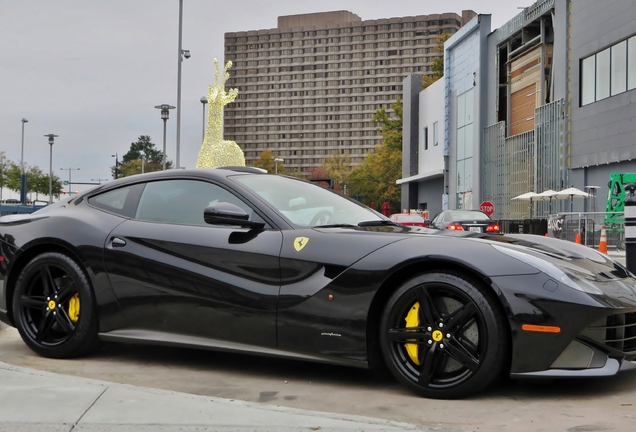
(574, 406)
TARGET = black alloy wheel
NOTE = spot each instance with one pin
(444, 336)
(53, 307)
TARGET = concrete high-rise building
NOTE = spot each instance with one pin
(309, 88)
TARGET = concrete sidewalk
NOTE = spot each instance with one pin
(32, 400)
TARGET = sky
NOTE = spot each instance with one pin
(91, 71)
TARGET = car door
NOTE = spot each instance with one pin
(173, 273)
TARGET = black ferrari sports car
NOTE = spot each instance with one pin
(238, 259)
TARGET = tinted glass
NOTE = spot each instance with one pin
(112, 201)
(182, 201)
(305, 204)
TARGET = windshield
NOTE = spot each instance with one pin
(305, 204)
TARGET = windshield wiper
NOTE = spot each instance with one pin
(380, 222)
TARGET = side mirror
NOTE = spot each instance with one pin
(225, 213)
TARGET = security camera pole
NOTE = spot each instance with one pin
(186, 54)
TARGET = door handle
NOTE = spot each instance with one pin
(116, 242)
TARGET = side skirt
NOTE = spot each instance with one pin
(150, 337)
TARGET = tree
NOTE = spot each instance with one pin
(5, 166)
(437, 64)
(266, 161)
(316, 172)
(338, 167)
(375, 179)
(13, 177)
(130, 163)
(38, 182)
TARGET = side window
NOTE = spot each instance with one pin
(114, 201)
(182, 201)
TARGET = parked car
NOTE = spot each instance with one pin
(408, 219)
(465, 220)
(238, 259)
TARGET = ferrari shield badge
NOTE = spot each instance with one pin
(300, 242)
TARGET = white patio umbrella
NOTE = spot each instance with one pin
(546, 195)
(528, 196)
(571, 193)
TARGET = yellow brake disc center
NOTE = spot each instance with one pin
(52, 304)
(74, 308)
(437, 336)
(413, 320)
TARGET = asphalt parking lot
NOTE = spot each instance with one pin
(582, 405)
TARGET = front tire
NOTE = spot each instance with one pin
(54, 308)
(444, 336)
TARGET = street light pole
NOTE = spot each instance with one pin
(165, 114)
(23, 179)
(182, 53)
(51, 139)
(204, 101)
(276, 162)
(70, 182)
(142, 155)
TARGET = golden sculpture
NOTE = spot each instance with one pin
(215, 151)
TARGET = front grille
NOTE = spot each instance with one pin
(616, 331)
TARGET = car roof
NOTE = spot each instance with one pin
(466, 213)
(210, 173)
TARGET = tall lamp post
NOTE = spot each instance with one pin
(116, 165)
(23, 179)
(70, 182)
(142, 155)
(204, 101)
(182, 53)
(276, 162)
(165, 114)
(51, 139)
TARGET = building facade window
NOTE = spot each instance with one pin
(609, 72)
(435, 133)
(465, 150)
(425, 138)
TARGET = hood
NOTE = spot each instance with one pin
(575, 265)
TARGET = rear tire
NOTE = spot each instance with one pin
(444, 336)
(54, 308)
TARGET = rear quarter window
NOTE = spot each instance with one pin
(118, 201)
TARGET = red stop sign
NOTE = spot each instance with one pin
(487, 207)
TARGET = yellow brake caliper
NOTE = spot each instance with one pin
(74, 308)
(413, 320)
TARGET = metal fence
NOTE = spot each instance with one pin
(588, 226)
(530, 161)
(508, 169)
(7, 209)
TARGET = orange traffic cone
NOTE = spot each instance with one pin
(577, 239)
(602, 245)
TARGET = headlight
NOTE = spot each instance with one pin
(543, 266)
